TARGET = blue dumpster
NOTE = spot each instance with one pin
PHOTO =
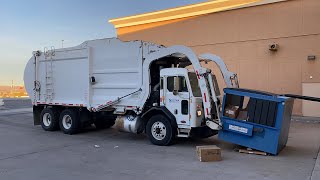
(256, 119)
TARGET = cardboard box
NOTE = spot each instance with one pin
(231, 111)
(209, 153)
(243, 115)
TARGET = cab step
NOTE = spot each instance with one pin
(185, 133)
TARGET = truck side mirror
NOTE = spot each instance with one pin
(176, 87)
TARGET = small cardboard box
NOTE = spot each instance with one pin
(209, 153)
(231, 111)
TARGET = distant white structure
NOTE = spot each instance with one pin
(1, 102)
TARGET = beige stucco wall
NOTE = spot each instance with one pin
(241, 37)
(310, 108)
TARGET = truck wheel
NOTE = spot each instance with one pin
(69, 121)
(49, 119)
(160, 131)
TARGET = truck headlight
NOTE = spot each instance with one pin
(199, 113)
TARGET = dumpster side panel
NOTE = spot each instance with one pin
(263, 138)
(285, 126)
(267, 125)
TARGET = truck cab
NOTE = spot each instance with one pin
(180, 94)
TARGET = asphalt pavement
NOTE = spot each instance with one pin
(27, 152)
(16, 103)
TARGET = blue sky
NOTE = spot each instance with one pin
(28, 25)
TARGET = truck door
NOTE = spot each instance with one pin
(177, 102)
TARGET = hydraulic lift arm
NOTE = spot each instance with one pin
(230, 78)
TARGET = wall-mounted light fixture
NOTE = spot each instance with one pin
(273, 47)
(311, 57)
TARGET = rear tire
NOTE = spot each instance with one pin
(69, 121)
(49, 119)
(160, 131)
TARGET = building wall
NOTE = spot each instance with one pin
(241, 37)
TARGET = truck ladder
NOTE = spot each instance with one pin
(49, 73)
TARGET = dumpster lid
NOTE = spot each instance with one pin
(227, 90)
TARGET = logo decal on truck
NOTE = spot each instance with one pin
(238, 129)
(174, 100)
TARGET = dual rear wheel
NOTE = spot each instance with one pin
(50, 119)
(68, 121)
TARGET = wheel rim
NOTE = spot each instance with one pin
(46, 119)
(67, 122)
(159, 130)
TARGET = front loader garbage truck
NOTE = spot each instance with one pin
(140, 86)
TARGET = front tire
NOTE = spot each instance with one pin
(160, 131)
(69, 121)
(49, 119)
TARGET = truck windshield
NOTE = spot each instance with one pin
(194, 84)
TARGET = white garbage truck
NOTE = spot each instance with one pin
(140, 86)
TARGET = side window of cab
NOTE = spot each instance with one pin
(182, 81)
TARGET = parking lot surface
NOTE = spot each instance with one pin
(15, 104)
(28, 152)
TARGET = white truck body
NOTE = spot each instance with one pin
(128, 79)
(65, 75)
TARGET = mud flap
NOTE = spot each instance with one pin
(36, 115)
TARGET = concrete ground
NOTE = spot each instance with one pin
(28, 152)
